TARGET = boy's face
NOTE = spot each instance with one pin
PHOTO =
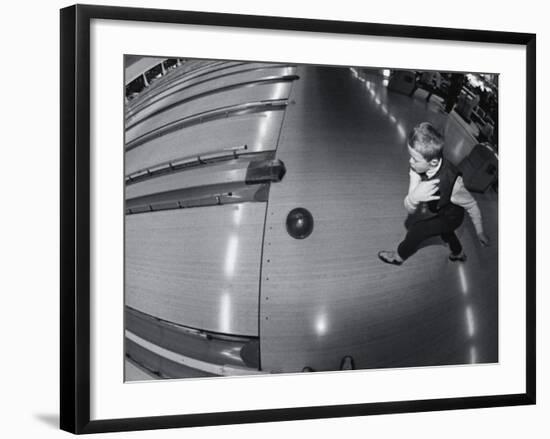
(419, 163)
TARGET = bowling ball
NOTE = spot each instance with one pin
(299, 223)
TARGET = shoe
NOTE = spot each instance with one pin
(307, 369)
(389, 257)
(458, 258)
(347, 363)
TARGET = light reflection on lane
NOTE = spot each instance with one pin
(473, 354)
(321, 323)
(231, 255)
(470, 321)
(225, 313)
(377, 98)
(278, 91)
(233, 353)
(237, 215)
(401, 131)
(264, 125)
(230, 262)
(468, 312)
(463, 280)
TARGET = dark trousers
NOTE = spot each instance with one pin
(422, 230)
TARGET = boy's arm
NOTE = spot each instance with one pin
(414, 179)
(462, 197)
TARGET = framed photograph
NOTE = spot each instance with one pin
(273, 218)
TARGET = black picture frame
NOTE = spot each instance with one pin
(75, 217)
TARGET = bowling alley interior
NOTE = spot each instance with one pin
(259, 197)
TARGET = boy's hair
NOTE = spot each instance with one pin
(425, 139)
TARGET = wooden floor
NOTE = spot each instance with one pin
(197, 267)
(327, 296)
(234, 270)
(200, 267)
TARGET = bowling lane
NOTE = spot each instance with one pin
(185, 70)
(197, 267)
(326, 296)
(205, 103)
(259, 132)
(190, 90)
(224, 173)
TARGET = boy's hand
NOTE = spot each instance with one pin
(483, 239)
(424, 191)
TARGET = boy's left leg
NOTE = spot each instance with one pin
(453, 241)
(457, 252)
(416, 234)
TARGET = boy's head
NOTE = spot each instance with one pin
(425, 146)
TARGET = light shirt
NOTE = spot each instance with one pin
(460, 196)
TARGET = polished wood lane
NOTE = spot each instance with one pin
(230, 171)
(328, 295)
(242, 95)
(191, 89)
(197, 267)
(186, 70)
(199, 75)
(258, 131)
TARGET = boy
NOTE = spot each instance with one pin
(436, 199)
